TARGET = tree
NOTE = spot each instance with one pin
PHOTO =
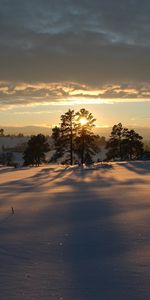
(36, 149)
(59, 148)
(124, 144)
(114, 144)
(56, 134)
(85, 139)
(75, 138)
(63, 137)
(20, 135)
(68, 133)
(9, 158)
(132, 144)
(6, 158)
(1, 132)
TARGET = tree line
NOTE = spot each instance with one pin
(2, 134)
(75, 141)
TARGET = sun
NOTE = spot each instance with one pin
(83, 121)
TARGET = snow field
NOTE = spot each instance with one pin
(77, 233)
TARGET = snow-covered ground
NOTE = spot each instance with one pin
(76, 234)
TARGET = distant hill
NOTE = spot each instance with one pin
(27, 130)
(31, 130)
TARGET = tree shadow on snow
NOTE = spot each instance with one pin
(141, 167)
(89, 263)
(95, 246)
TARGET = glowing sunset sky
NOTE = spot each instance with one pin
(56, 55)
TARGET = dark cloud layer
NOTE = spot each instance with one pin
(93, 42)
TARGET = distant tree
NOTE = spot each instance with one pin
(36, 149)
(2, 158)
(1, 132)
(132, 144)
(59, 149)
(124, 144)
(9, 158)
(56, 134)
(114, 144)
(20, 135)
(85, 140)
(6, 158)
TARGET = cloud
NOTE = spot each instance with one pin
(92, 42)
(64, 93)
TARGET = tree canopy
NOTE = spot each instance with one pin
(85, 146)
(36, 149)
(74, 139)
(124, 144)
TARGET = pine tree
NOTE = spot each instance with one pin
(124, 144)
(132, 144)
(114, 144)
(36, 149)
(86, 145)
(1, 132)
(59, 148)
(67, 128)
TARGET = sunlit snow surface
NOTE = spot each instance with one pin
(76, 234)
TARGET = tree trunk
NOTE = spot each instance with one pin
(120, 148)
(82, 151)
(71, 147)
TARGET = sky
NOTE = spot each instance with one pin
(61, 54)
